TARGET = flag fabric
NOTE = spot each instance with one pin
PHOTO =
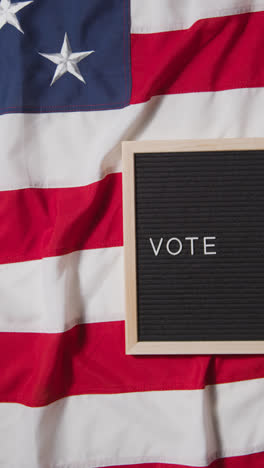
(77, 78)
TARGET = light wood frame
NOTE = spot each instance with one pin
(133, 346)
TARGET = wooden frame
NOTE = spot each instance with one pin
(133, 346)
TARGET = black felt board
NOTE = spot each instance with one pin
(200, 297)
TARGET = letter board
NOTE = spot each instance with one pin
(193, 240)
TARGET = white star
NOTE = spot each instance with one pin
(8, 12)
(66, 61)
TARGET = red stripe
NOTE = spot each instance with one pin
(37, 223)
(255, 460)
(37, 369)
(213, 55)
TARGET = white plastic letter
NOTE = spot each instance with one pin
(179, 249)
(192, 239)
(208, 245)
(156, 251)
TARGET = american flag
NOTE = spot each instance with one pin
(77, 78)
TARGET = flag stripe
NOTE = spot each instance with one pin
(37, 223)
(39, 368)
(150, 16)
(215, 54)
(54, 294)
(39, 154)
(61, 150)
(103, 430)
(254, 460)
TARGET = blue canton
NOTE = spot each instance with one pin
(64, 55)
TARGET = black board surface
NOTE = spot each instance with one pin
(199, 245)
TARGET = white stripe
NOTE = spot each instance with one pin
(150, 16)
(185, 427)
(60, 150)
(54, 294)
